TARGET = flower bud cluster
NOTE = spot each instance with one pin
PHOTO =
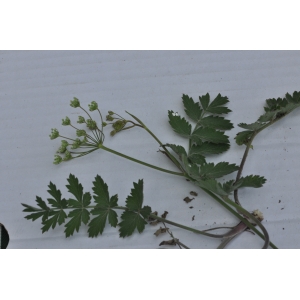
(54, 134)
(93, 106)
(66, 121)
(90, 141)
(75, 102)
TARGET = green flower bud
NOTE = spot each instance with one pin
(81, 120)
(80, 132)
(91, 124)
(112, 133)
(119, 125)
(75, 102)
(57, 159)
(64, 143)
(63, 147)
(93, 106)
(76, 144)
(110, 112)
(66, 121)
(68, 156)
(54, 134)
(104, 124)
(109, 118)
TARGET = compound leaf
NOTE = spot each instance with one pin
(103, 208)
(216, 106)
(80, 214)
(254, 181)
(213, 186)
(210, 135)
(179, 125)
(192, 109)
(77, 216)
(204, 100)
(210, 148)
(135, 200)
(134, 217)
(196, 156)
(179, 150)
(211, 170)
(216, 123)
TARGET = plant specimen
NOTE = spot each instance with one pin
(205, 138)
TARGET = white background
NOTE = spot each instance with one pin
(36, 88)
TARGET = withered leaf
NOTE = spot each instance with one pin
(164, 215)
(193, 218)
(187, 199)
(191, 207)
(160, 230)
(170, 242)
(153, 223)
(193, 193)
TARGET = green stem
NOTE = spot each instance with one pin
(153, 216)
(140, 162)
(174, 160)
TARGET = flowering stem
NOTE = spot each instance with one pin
(140, 162)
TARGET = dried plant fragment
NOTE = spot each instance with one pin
(193, 193)
(160, 230)
(164, 215)
(187, 199)
(170, 242)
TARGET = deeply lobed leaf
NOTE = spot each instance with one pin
(192, 109)
(179, 125)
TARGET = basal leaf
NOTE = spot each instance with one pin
(210, 135)
(57, 202)
(97, 225)
(103, 209)
(131, 221)
(135, 215)
(135, 200)
(101, 191)
(43, 211)
(211, 170)
(42, 204)
(77, 216)
(74, 187)
(192, 109)
(216, 123)
(56, 217)
(179, 125)
(204, 100)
